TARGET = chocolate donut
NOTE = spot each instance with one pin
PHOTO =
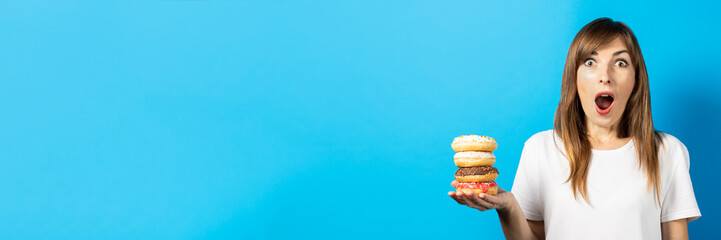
(476, 174)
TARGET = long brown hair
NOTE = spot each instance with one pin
(636, 122)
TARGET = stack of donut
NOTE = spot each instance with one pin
(474, 156)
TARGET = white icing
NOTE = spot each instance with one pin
(474, 154)
(474, 138)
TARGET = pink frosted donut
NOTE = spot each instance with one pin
(479, 187)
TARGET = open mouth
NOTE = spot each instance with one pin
(604, 102)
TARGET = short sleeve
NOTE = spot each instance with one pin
(525, 185)
(679, 200)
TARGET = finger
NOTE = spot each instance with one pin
(472, 201)
(454, 183)
(495, 200)
(463, 198)
(452, 194)
(482, 201)
(457, 196)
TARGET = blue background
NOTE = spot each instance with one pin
(324, 119)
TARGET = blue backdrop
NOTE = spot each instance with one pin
(325, 119)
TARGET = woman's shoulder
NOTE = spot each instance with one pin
(672, 148)
(668, 139)
(542, 139)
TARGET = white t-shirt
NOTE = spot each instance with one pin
(621, 205)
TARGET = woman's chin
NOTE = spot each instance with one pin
(603, 121)
(607, 120)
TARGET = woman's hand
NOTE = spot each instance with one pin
(483, 201)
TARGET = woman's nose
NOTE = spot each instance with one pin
(605, 76)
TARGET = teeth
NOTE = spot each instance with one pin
(605, 95)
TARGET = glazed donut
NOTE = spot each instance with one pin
(476, 174)
(474, 159)
(474, 143)
(479, 187)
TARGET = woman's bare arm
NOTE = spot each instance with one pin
(538, 229)
(675, 230)
(513, 222)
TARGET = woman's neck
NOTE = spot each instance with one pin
(604, 138)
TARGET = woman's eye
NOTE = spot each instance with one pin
(621, 63)
(589, 62)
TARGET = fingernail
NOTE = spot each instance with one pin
(481, 195)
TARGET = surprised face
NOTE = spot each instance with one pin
(605, 81)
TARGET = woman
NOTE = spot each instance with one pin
(603, 171)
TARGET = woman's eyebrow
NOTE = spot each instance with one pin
(614, 54)
(619, 52)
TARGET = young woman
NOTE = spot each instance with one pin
(603, 172)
